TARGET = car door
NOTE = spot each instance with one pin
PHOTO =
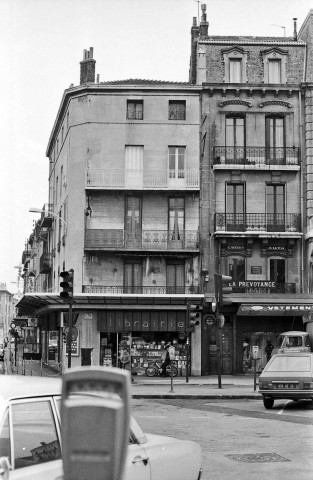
(137, 465)
(31, 436)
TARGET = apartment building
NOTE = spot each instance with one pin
(256, 185)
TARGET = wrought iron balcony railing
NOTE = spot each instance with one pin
(46, 215)
(145, 240)
(256, 155)
(142, 179)
(148, 290)
(258, 222)
(264, 286)
(45, 263)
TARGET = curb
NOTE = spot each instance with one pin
(196, 396)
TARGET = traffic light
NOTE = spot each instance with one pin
(223, 286)
(194, 313)
(67, 285)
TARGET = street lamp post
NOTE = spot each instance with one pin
(40, 210)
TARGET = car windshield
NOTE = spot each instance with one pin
(290, 364)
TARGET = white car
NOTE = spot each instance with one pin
(30, 437)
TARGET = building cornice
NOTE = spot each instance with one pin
(252, 42)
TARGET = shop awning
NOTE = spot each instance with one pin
(283, 309)
(41, 303)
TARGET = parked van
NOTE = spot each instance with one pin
(292, 341)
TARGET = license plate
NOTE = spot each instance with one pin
(288, 386)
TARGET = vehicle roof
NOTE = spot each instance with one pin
(20, 386)
(294, 332)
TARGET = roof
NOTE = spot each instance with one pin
(19, 386)
(140, 81)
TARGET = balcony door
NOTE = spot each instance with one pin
(235, 139)
(235, 207)
(134, 166)
(275, 208)
(132, 276)
(133, 222)
(175, 277)
(176, 166)
(278, 274)
(275, 140)
(176, 222)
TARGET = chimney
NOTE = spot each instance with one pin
(87, 67)
(193, 52)
(204, 25)
(295, 35)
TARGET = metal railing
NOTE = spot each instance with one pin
(258, 222)
(145, 240)
(256, 155)
(142, 178)
(143, 289)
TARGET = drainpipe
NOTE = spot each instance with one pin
(301, 195)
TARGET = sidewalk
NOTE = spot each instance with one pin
(232, 387)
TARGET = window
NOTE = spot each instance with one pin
(34, 434)
(235, 139)
(237, 270)
(175, 277)
(176, 219)
(275, 208)
(274, 71)
(61, 180)
(133, 222)
(134, 166)
(235, 70)
(275, 140)
(235, 207)
(133, 276)
(177, 110)
(134, 110)
(5, 449)
(176, 162)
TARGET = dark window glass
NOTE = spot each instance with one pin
(177, 110)
(134, 109)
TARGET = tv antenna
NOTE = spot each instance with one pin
(280, 27)
(198, 2)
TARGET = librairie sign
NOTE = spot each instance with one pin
(275, 309)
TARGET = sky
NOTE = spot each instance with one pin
(41, 45)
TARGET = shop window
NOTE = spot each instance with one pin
(177, 110)
(265, 342)
(134, 110)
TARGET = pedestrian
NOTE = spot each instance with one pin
(166, 362)
(268, 350)
(126, 362)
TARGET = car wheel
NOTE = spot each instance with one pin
(268, 402)
(151, 372)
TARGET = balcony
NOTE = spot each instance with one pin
(258, 222)
(147, 290)
(45, 263)
(143, 240)
(264, 286)
(256, 156)
(46, 216)
(102, 178)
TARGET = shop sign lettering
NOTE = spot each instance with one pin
(257, 284)
(275, 309)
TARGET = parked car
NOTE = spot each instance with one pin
(30, 437)
(1, 351)
(287, 376)
(293, 341)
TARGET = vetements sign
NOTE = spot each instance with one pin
(272, 309)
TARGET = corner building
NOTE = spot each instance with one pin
(256, 176)
(124, 193)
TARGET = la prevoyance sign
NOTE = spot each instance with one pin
(274, 309)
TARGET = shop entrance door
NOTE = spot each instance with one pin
(226, 337)
(86, 356)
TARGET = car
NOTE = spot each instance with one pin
(1, 351)
(30, 437)
(293, 341)
(287, 376)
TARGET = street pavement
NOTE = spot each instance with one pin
(232, 386)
